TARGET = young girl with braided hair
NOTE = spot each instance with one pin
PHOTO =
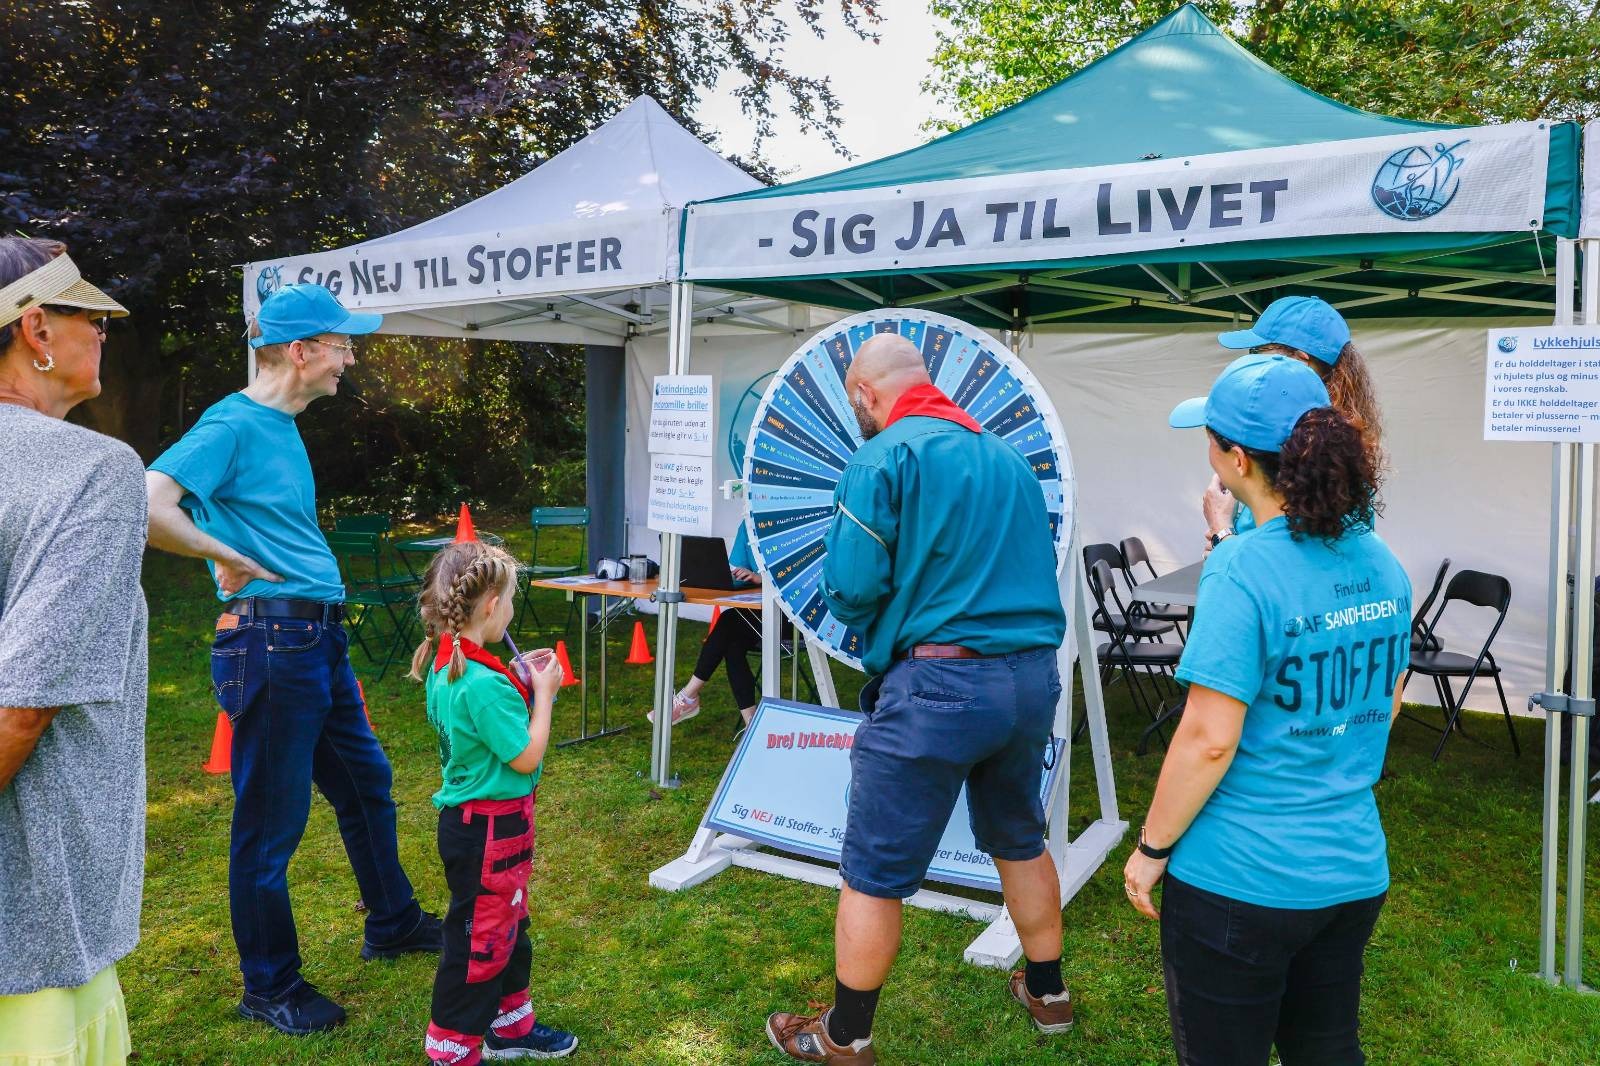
(493, 729)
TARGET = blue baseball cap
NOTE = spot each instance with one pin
(1301, 322)
(1255, 402)
(296, 312)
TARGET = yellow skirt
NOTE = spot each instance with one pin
(83, 1026)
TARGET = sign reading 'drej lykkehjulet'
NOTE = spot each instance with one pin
(682, 418)
(1468, 180)
(1542, 383)
(788, 786)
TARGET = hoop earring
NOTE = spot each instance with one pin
(48, 365)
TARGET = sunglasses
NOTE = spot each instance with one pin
(100, 322)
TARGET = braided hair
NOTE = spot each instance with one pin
(457, 580)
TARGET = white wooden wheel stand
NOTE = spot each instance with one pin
(710, 852)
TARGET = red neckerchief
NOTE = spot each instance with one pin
(927, 400)
(477, 655)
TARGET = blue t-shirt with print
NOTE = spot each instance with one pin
(247, 482)
(1311, 637)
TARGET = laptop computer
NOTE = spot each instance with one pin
(705, 565)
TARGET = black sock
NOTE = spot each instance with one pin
(851, 1017)
(1044, 978)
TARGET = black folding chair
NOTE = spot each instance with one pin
(1421, 638)
(1477, 589)
(1133, 554)
(1131, 656)
(1137, 622)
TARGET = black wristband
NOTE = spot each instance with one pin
(1150, 851)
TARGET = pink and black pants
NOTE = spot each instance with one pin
(482, 981)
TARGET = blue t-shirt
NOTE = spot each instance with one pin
(740, 556)
(247, 482)
(1311, 637)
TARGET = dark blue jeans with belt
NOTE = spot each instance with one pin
(287, 686)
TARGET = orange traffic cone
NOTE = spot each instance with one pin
(221, 747)
(716, 616)
(464, 530)
(569, 677)
(639, 654)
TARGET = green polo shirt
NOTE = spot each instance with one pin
(940, 536)
(482, 725)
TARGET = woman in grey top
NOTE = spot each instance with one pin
(72, 674)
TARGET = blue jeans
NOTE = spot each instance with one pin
(287, 686)
(1242, 978)
(932, 726)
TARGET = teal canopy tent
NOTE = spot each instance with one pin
(1176, 177)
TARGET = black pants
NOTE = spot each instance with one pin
(487, 956)
(736, 635)
(1241, 978)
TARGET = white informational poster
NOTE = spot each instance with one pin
(789, 786)
(1542, 383)
(680, 494)
(682, 414)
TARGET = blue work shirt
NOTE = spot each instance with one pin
(940, 536)
(1311, 637)
(247, 482)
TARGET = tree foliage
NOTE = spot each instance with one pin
(1490, 61)
(168, 142)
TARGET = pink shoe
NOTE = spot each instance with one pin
(683, 709)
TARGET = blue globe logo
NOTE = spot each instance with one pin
(269, 281)
(1507, 344)
(744, 412)
(1416, 183)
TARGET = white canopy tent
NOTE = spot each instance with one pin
(576, 251)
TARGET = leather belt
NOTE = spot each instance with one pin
(276, 607)
(945, 651)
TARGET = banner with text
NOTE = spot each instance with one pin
(1543, 384)
(1484, 179)
(788, 786)
(580, 256)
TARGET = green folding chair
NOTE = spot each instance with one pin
(546, 518)
(374, 593)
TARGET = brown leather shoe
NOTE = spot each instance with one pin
(1050, 1014)
(806, 1038)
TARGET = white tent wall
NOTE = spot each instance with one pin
(1449, 493)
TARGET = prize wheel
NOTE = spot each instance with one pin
(805, 432)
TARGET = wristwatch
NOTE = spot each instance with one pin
(1218, 538)
(1152, 852)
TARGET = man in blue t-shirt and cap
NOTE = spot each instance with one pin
(237, 491)
(940, 555)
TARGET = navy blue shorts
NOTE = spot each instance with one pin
(933, 725)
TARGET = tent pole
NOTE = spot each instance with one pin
(668, 594)
(1582, 657)
(1558, 648)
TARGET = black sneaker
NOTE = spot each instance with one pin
(427, 935)
(299, 1012)
(541, 1042)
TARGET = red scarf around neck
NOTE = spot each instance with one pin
(928, 401)
(477, 655)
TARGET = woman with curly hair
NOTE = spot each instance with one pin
(1264, 824)
(1309, 331)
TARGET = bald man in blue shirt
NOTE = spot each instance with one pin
(940, 554)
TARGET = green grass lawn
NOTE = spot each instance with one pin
(647, 977)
